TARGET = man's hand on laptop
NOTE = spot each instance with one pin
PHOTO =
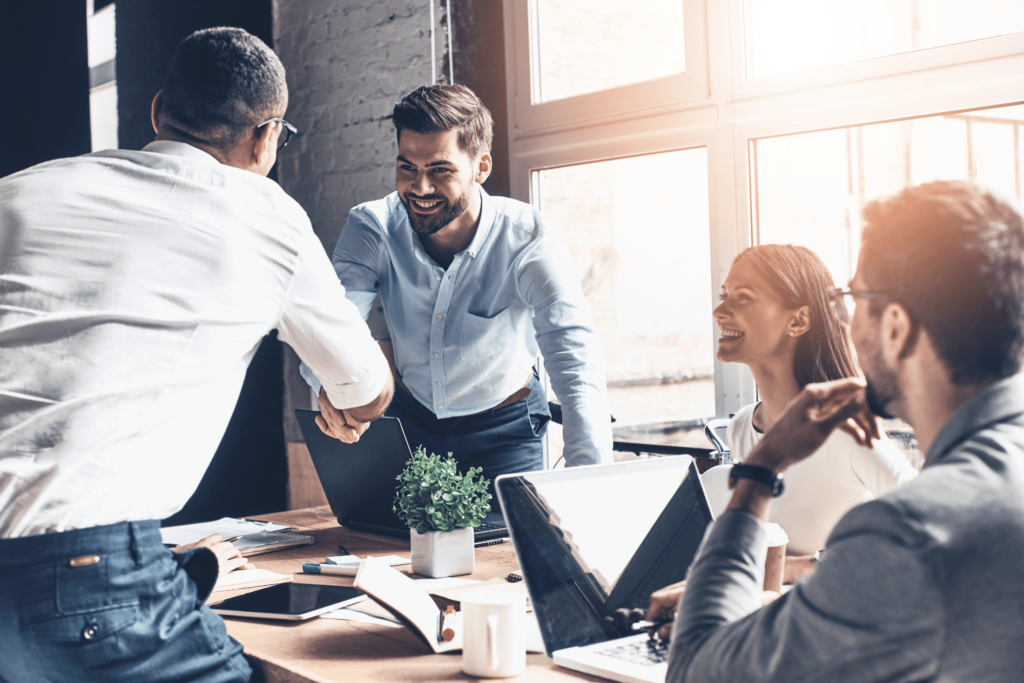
(665, 601)
(348, 424)
(228, 556)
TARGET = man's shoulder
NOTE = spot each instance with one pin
(381, 214)
(524, 220)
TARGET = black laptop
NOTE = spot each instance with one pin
(360, 478)
(591, 540)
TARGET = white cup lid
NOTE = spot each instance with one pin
(776, 535)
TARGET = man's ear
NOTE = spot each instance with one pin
(801, 322)
(898, 334)
(483, 168)
(264, 143)
(154, 110)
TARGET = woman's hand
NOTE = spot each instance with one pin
(228, 556)
(797, 567)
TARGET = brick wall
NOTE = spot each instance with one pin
(348, 62)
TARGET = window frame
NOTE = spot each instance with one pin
(714, 106)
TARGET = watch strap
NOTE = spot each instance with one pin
(763, 475)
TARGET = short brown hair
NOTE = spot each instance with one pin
(952, 254)
(440, 108)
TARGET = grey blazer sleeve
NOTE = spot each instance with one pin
(872, 610)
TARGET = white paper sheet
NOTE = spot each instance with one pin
(226, 527)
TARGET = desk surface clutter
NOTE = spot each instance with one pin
(322, 650)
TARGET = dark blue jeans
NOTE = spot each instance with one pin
(137, 614)
(501, 440)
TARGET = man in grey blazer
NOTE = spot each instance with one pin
(926, 582)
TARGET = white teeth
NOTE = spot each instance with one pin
(731, 334)
(427, 205)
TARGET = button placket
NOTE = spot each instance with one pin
(437, 328)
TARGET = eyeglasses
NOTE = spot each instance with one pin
(287, 131)
(846, 300)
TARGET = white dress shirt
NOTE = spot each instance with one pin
(135, 288)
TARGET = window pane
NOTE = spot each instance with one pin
(793, 35)
(811, 187)
(591, 45)
(639, 233)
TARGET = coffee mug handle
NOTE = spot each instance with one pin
(492, 642)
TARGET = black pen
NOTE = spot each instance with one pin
(649, 625)
(341, 549)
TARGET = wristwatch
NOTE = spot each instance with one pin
(757, 473)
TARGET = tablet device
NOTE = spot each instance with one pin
(289, 601)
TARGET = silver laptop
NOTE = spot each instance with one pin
(591, 540)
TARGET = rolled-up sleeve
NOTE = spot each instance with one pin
(356, 258)
(328, 333)
(572, 352)
(872, 610)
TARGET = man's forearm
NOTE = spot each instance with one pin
(724, 584)
(375, 408)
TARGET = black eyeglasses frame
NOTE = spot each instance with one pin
(287, 131)
(838, 295)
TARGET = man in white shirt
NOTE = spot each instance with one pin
(135, 288)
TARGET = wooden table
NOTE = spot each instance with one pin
(322, 650)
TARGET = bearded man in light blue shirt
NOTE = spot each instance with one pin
(473, 287)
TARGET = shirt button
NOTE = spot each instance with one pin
(440, 405)
(438, 278)
(435, 355)
(439, 316)
(438, 384)
(91, 631)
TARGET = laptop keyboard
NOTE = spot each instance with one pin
(646, 653)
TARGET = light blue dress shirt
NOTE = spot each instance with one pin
(466, 338)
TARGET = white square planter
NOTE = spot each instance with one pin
(443, 553)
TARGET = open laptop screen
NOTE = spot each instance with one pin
(591, 540)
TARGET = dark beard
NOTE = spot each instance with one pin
(879, 404)
(428, 225)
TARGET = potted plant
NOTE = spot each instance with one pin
(441, 508)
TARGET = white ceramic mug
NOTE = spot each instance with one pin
(493, 634)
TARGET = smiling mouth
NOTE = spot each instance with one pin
(425, 205)
(729, 335)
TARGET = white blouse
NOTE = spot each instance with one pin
(819, 490)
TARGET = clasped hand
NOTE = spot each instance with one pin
(339, 424)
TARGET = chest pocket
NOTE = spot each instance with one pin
(484, 337)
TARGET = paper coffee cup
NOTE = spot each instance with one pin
(775, 562)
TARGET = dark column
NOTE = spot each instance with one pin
(249, 473)
(44, 82)
(148, 32)
(479, 60)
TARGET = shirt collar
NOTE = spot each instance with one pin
(997, 403)
(483, 228)
(179, 149)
